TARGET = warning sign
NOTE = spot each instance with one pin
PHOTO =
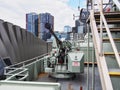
(75, 63)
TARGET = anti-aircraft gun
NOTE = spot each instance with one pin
(63, 47)
(64, 63)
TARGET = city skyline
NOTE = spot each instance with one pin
(62, 10)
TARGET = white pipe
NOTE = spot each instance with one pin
(117, 3)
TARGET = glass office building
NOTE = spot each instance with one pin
(67, 29)
(35, 23)
(43, 19)
(32, 23)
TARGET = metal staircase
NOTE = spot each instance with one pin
(106, 38)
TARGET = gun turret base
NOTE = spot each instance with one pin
(62, 75)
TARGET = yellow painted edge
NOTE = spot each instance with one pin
(115, 39)
(109, 53)
(114, 73)
(90, 62)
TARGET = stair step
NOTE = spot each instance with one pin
(110, 20)
(114, 72)
(108, 14)
(90, 63)
(110, 53)
(117, 29)
(115, 39)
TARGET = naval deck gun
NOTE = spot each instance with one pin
(63, 63)
(63, 47)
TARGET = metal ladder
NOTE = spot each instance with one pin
(107, 46)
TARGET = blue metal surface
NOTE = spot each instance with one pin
(2, 65)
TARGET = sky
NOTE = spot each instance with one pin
(14, 11)
(75, 3)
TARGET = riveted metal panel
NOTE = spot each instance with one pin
(23, 34)
(29, 45)
(9, 30)
(5, 39)
(3, 51)
(19, 41)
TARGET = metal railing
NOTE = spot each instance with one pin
(22, 64)
(22, 70)
(22, 74)
(25, 85)
(103, 20)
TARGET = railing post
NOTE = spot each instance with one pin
(93, 69)
(23, 64)
(5, 71)
(88, 55)
(92, 2)
(101, 37)
(101, 29)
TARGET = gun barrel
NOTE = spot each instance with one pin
(49, 27)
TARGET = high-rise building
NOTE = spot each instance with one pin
(77, 23)
(80, 27)
(32, 23)
(66, 33)
(67, 29)
(36, 24)
(74, 29)
(43, 19)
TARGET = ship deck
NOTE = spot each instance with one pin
(76, 83)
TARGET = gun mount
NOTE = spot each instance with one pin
(64, 63)
(64, 46)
